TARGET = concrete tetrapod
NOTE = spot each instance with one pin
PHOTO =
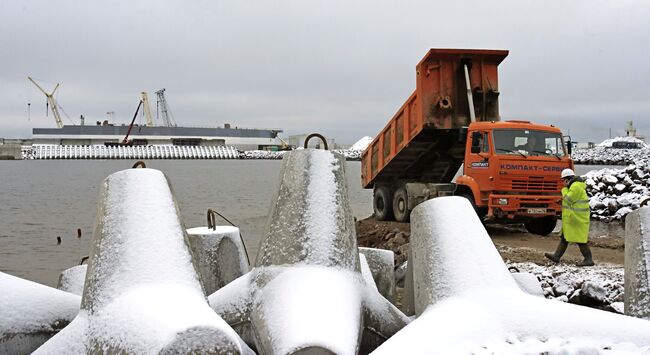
(306, 293)
(381, 263)
(637, 263)
(468, 302)
(31, 313)
(72, 279)
(142, 294)
(219, 255)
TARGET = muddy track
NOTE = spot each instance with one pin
(513, 243)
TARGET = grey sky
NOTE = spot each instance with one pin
(341, 68)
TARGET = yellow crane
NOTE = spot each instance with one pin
(51, 103)
(285, 145)
(147, 109)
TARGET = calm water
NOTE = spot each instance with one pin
(41, 200)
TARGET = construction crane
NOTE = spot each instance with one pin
(285, 145)
(51, 103)
(161, 105)
(146, 109)
(126, 141)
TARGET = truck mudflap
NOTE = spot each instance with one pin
(523, 206)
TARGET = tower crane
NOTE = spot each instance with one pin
(51, 103)
(161, 105)
(146, 109)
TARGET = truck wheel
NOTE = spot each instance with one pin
(382, 203)
(401, 206)
(541, 226)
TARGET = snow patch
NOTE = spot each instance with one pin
(362, 144)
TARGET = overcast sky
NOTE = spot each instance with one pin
(341, 68)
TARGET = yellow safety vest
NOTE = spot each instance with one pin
(575, 213)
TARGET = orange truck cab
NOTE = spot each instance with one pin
(451, 124)
(511, 172)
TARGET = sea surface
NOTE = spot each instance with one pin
(40, 200)
(43, 199)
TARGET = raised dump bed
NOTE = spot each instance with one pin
(425, 140)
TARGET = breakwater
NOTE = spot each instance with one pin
(47, 152)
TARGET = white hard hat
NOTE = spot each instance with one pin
(567, 173)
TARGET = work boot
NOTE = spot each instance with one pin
(586, 253)
(561, 248)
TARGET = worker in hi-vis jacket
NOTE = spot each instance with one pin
(575, 218)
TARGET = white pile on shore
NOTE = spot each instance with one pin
(353, 153)
(608, 156)
(608, 143)
(349, 154)
(613, 193)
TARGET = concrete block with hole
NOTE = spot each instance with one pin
(637, 263)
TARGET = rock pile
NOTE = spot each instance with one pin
(609, 156)
(613, 193)
(385, 235)
(599, 287)
(261, 154)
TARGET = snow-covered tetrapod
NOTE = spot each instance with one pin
(381, 263)
(637, 263)
(31, 313)
(468, 302)
(306, 293)
(142, 294)
(72, 279)
(219, 255)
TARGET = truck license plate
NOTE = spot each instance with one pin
(536, 210)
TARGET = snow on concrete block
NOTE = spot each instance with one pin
(382, 266)
(72, 279)
(31, 313)
(311, 213)
(306, 292)
(637, 263)
(366, 273)
(447, 237)
(528, 283)
(475, 306)
(142, 293)
(219, 255)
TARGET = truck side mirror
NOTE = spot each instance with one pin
(569, 144)
(476, 142)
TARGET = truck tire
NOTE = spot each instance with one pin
(541, 226)
(382, 203)
(401, 205)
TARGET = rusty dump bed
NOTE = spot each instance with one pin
(425, 140)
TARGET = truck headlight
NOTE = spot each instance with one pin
(502, 201)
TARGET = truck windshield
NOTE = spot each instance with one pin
(528, 142)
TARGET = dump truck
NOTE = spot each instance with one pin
(447, 139)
